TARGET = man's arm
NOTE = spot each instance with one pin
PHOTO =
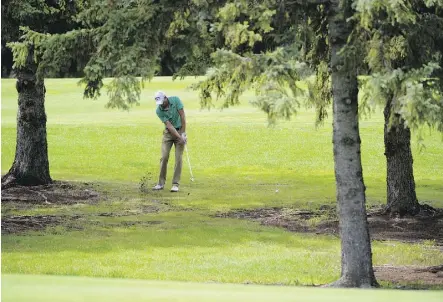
(174, 132)
(183, 118)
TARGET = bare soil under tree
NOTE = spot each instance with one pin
(427, 225)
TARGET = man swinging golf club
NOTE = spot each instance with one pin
(171, 113)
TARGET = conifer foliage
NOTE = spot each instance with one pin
(31, 165)
(269, 46)
(403, 43)
(262, 53)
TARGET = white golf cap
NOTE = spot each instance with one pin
(159, 97)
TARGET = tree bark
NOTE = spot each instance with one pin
(356, 255)
(401, 196)
(31, 165)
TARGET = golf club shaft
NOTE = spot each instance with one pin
(189, 163)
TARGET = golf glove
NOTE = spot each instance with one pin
(184, 137)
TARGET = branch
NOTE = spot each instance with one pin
(313, 2)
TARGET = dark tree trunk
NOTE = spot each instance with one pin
(401, 196)
(356, 255)
(31, 165)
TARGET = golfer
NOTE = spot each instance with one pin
(171, 113)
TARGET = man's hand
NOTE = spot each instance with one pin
(184, 137)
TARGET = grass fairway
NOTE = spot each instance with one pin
(238, 162)
(20, 288)
(233, 149)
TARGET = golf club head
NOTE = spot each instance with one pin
(192, 179)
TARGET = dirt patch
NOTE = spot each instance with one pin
(63, 193)
(24, 223)
(146, 209)
(20, 224)
(325, 221)
(418, 277)
(134, 223)
(57, 192)
(409, 229)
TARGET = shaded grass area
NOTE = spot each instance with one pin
(43, 288)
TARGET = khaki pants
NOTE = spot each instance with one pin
(168, 141)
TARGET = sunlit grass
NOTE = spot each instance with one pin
(233, 148)
(238, 162)
(44, 288)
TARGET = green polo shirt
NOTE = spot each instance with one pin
(171, 114)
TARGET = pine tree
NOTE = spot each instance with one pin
(120, 39)
(31, 165)
(45, 16)
(271, 59)
(404, 57)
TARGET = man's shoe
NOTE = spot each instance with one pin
(174, 188)
(158, 187)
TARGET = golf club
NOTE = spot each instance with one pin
(189, 163)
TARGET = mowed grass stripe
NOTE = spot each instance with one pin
(19, 288)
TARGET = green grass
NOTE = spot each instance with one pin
(18, 288)
(233, 149)
(238, 162)
(184, 246)
(189, 246)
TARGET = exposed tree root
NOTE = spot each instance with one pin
(424, 210)
(11, 180)
(8, 181)
(347, 283)
(56, 192)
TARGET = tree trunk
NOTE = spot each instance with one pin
(356, 255)
(401, 196)
(31, 165)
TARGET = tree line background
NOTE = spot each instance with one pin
(52, 16)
